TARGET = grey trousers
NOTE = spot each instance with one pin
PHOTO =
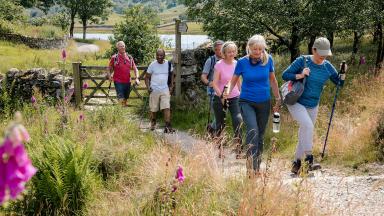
(306, 117)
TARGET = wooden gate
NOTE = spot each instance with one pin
(99, 86)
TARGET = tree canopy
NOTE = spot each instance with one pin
(138, 31)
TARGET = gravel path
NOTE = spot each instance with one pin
(335, 192)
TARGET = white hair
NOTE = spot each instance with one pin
(258, 40)
(120, 43)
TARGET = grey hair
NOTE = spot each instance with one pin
(217, 43)
(259, 41)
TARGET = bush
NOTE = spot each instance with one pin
(11, 12)
(61, 20)
(138, 31)
(38, 21)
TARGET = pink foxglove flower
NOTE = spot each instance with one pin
(179, 178)
(64, 54)
(85, 85)
(362, 60)
(15, 166)
(179, 174)
(81, 117)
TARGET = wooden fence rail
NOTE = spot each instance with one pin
(82, 73)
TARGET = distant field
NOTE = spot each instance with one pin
(166, 16)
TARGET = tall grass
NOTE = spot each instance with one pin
(75, 165)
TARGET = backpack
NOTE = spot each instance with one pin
(116, 60)
(292, 90)
(170, 74)
(211, 69)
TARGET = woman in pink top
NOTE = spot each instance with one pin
(224, 70)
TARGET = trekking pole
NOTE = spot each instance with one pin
(209, 110)
(342, 71)
(225, 109)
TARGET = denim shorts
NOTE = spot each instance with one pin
(122, 90)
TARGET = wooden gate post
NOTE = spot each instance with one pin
(178, 59)
(77, 83)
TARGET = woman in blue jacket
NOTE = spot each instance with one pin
(258, 73)
(317, 71)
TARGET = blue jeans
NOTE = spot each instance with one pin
(211, 95)
(122, 90)
(234, 109)
(255, 117)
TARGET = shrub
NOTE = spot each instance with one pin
(64, 182)
(138, 31)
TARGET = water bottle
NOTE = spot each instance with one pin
(276, 122)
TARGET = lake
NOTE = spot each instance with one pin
(187, 41)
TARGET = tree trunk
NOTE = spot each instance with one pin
(72, 26)
(380, 41)
(356, 42)
(355, 47)
(294, 44)
(84, 29)
(310, 44)
(331, 37)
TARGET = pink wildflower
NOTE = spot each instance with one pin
(85, 85)
(179, 174)
(15, 166)
(64, 54)
(33, 100)
(81, 117)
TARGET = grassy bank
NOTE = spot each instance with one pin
(22, 57)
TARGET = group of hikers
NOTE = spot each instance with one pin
(248, 98)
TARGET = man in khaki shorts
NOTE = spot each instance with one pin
(159, 88)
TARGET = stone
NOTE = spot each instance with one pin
(22, 84)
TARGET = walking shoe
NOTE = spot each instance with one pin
(311, 165)
(296, 165)
(168, 128)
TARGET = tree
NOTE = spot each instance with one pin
(93, 10)
(72, 8)
(138, 31)
(10, 11)
(290, 21)
(356, 21)
(378, 20)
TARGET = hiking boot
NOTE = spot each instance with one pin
(239, 152)
(168, 128)
(296, 165)
(311, 165)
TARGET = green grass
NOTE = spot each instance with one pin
(22, 57)
(45, 31)
(167, 16)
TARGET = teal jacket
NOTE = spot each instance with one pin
(316, 80)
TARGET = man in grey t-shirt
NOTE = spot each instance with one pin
(207, 74)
